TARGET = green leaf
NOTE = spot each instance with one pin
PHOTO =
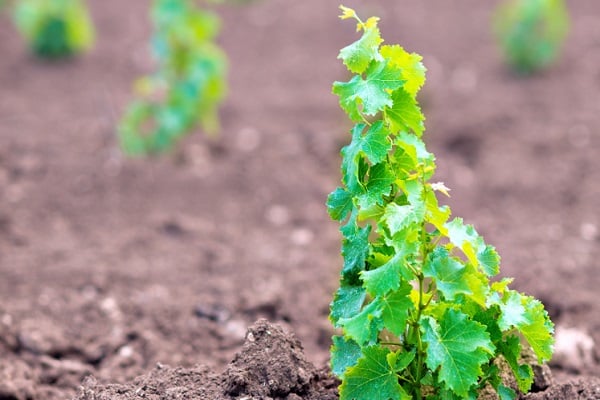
(344, 353)
(348, 301)
(364, 326)
(436, 215)
(359, 54)
(506, 393)
(400, 360)
(405, 114)
(339, 204)
(489, 260)
(372, 378)
(398, 217)
(355, 246)
(374, 145)
(416, 149)
(512, 311)
(459, 233)
(396, 306)
(370, 95)
(472, 245)
(350, 158)
(379, 183)
(529, 317)
(403, 163)
(523, 373)
(382, 279)
(449, 274)
(350, 99)
(413, 70)
(458, 347)
(539, 329)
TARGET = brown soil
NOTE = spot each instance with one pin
(109, 266)
(270, 365)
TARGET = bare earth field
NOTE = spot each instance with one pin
(109, 266)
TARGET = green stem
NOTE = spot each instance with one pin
(391, 344)
(420, 349)
(421, 304)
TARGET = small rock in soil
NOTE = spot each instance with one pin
(212, 312)
(542, 378)
(573, 350)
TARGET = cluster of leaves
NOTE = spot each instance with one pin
(418, 313)
(531, 32)
(189, 83)
(54, 28)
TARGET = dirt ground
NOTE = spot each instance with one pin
(109, 266)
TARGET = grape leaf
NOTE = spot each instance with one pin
(538, 331)
(466, 238)
(364, 326)
(371, 93)
(506, 393)
(339, 204)
(405, 114)
(529, 317)
(512, 311)
(458, 347)
(436, 215)
(348, 300)
(511, 350)
(415, 147)
(450, 275)
(379, 183)
(355, 246)
(382, 279)
(402, 163)
(489, 260)
(413, 70)
(396, 306)
(374, 145)
(400, 360)
(358, 55)
(399, 217)
(372, 378)
(344, 353)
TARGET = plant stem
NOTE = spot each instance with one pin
(421, 305)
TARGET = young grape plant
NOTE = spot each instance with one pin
(531, 32)
(54, 28)
(188, 86)
(418, 313)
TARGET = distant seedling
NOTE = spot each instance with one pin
(188, 86)
(418, 313)
(531, 32)
(54, 28)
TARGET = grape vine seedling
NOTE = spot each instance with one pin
(189, 85)
(531, 32)
(54, 28)
(419, 316)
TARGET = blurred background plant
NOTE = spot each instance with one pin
(188, 85)
(531, 32)
(54, 28)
